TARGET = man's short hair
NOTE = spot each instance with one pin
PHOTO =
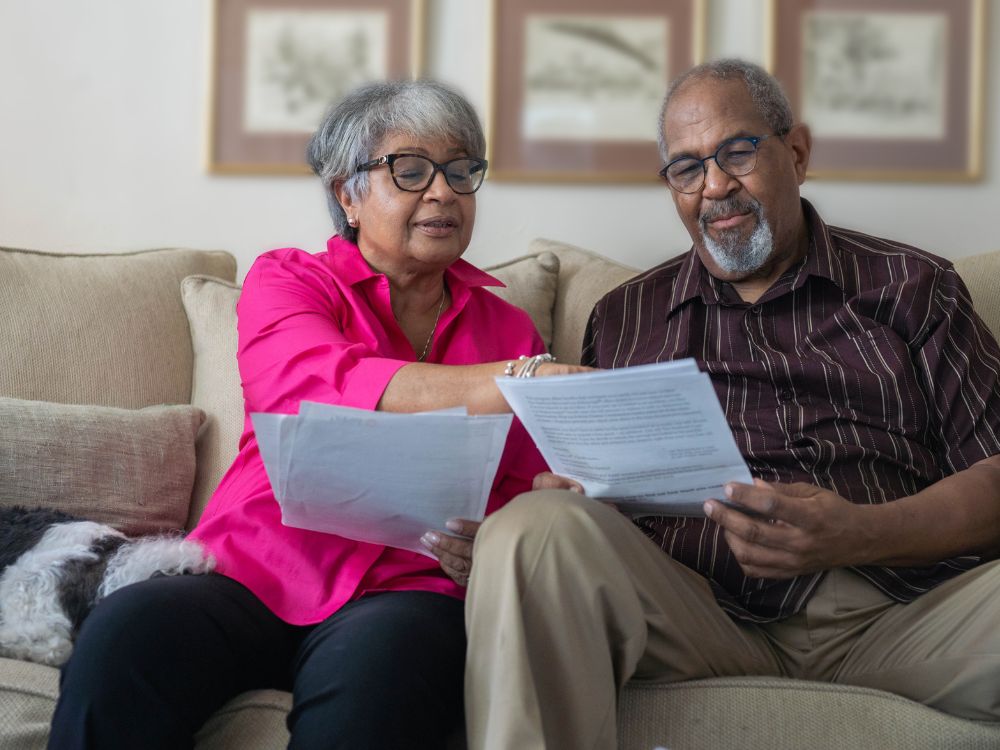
(764, 89)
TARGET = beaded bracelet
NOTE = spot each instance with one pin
(528, 365)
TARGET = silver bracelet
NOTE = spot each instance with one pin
(508, 371)
(530, 364)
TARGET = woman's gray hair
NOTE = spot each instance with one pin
(764, 89)
(358, 124)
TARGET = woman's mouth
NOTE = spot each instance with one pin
(441, 226)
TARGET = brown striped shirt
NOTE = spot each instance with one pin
(863, 369)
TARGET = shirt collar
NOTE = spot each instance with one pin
(822, 260)
(347, 261)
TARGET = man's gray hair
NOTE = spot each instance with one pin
(355, 126)
(764, 89)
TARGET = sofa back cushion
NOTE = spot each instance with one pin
(584, 277)
(99, 329)
(981, 274)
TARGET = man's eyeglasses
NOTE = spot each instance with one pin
(735, 157)
(414, 173)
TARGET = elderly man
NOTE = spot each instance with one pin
(862, 390)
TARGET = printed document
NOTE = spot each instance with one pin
(651, 438)
(380, 477)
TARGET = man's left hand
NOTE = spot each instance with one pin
(454, 553)
(790, 530)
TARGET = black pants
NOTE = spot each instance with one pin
(154, 660)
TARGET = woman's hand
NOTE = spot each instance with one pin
(558, 368)
(454, 553)
(549, 481)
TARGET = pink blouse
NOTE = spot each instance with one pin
(320, 328)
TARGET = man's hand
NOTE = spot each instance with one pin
(796, 529)
(454, 553)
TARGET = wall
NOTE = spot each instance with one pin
(102, 121)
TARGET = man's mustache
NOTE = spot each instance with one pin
(726, 206)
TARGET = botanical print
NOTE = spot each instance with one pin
(593, 77)
(874, 75)
(297, 62)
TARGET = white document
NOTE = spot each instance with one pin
(376, 476)
(653, 438)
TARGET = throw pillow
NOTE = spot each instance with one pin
(210, 305)
(531, 282)
(131, 469)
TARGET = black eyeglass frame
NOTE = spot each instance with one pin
(755, 140)
(390, 159)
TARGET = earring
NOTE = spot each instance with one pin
(353, 223)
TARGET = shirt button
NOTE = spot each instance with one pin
(755, 309)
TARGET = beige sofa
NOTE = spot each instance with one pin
(128, 331)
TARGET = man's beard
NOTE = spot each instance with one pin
(730, 252)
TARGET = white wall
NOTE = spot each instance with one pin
(102, 122)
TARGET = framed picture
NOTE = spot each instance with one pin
(577, 85)
(891, 89)
(278, 64)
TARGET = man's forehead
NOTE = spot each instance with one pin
(707, 109)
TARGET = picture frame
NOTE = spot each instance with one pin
(891, 89)
(576, 85)
(277, 65)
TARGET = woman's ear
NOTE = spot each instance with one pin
(337, 186)
(799, 139)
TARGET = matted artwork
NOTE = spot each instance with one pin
(279, 64)
(891, 89)
(578, 85)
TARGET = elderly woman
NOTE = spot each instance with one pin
(369, 639)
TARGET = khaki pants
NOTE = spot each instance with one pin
(568, 600)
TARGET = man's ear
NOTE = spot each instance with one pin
(799, 139)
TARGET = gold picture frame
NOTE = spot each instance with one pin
(278, 64)
(576, 85)
(891, 89)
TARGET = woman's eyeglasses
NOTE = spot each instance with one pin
(414, 173)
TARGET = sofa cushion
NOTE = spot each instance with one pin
(531, 282)
(132, 469)
(584, 277)
(980, 274)
(99, 329)
(28, 695)
(210, 305)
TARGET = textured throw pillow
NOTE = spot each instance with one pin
(131, 469)
(210, 305)
(531, 282)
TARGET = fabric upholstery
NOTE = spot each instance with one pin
(584, 277)
(210, 305)
(28, 694)
(765, 713)
(531, 282)
(132, 469)
(981, 274)
(99, 329)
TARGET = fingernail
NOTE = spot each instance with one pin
(577, 490)
(709, 508)
(430, 539)
(453, 524)
(728, 489)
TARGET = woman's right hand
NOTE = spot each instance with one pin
(558, 368)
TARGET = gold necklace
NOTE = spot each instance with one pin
(430, 338)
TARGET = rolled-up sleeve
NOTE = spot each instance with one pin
(293, 345)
